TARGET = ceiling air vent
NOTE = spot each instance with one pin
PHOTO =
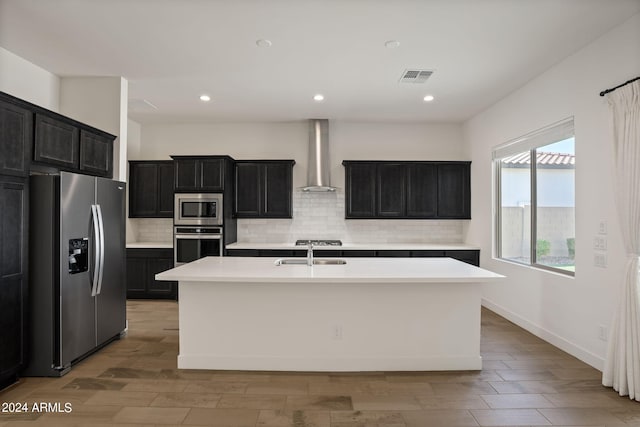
(415, 76)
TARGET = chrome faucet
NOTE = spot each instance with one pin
(310, 254)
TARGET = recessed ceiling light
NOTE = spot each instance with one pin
(205, 98)
(391, 44)
(428, 98)
(318, 97)
(263, 43)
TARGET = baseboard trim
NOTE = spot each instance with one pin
(338, 364)
(553, 339)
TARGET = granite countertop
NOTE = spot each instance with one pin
(359, 246)
(356, 270)
(149, 245)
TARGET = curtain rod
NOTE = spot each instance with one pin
(604, 92)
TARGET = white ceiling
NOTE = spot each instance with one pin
(171, 51)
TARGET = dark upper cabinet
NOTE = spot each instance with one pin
(151, 189)
(201, 174)
(13, 276)
(263, 188)
(407, 190)
(360, 189)
(57, 142)
(142, 266)
(454, 190)
(391, 190)
(422, 190)
(16, 137)
(165, 189)
(72, 146)
(96, 154)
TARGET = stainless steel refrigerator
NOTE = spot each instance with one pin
(77, 269)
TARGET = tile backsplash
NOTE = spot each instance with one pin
(321, 216)
(153, 229)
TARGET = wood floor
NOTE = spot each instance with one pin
(134, 381)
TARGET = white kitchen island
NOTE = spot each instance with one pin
(370, 314)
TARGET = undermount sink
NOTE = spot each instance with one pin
(316, 261)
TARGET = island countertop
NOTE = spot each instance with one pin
(357, 246)
(356, 270)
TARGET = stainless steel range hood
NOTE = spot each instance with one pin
(318, 179)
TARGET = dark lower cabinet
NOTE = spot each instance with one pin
(151, 189)
(407, 190)
(142, 266)
(263, 188)
(16, 137)
(471, 256)
(13, 277)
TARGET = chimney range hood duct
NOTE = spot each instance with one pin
(318, 165)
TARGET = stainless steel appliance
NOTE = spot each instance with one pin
(76, 267)
(198, 209)
(192, 243)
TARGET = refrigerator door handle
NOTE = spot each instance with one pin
(101, 243)
(96, 265)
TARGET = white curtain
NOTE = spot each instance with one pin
(622, 366)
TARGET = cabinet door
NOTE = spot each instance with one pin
(16, 138)
(360, 194)
(13, 275)
(187, 175)
(156, 288)
(136, 277)
(96, 154)
(469, 256)
(276, 202)
(165, 190)
(211, 174)
(422, 190)
(391, 190)
(143, 190)
(248, 186)
(56, 142)
(454, 191)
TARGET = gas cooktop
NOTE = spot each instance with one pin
(319, 242)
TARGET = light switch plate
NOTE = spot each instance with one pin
(602, 227)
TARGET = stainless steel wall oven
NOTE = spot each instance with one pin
(192, 243)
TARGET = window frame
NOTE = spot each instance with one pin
(521, 145)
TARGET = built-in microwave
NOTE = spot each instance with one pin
(198, 209)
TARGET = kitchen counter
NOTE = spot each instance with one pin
(356, 270)
(359, 246)
(370, 314)
(149, 245)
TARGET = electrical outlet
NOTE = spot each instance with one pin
(602, 332)
(600, 260)
(337, 332)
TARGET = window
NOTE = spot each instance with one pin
(535, 201)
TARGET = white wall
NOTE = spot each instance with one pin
(134, 136)
(100, 102)
(25, 80)
(314, 215)
(565, 311)
(289, 140)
